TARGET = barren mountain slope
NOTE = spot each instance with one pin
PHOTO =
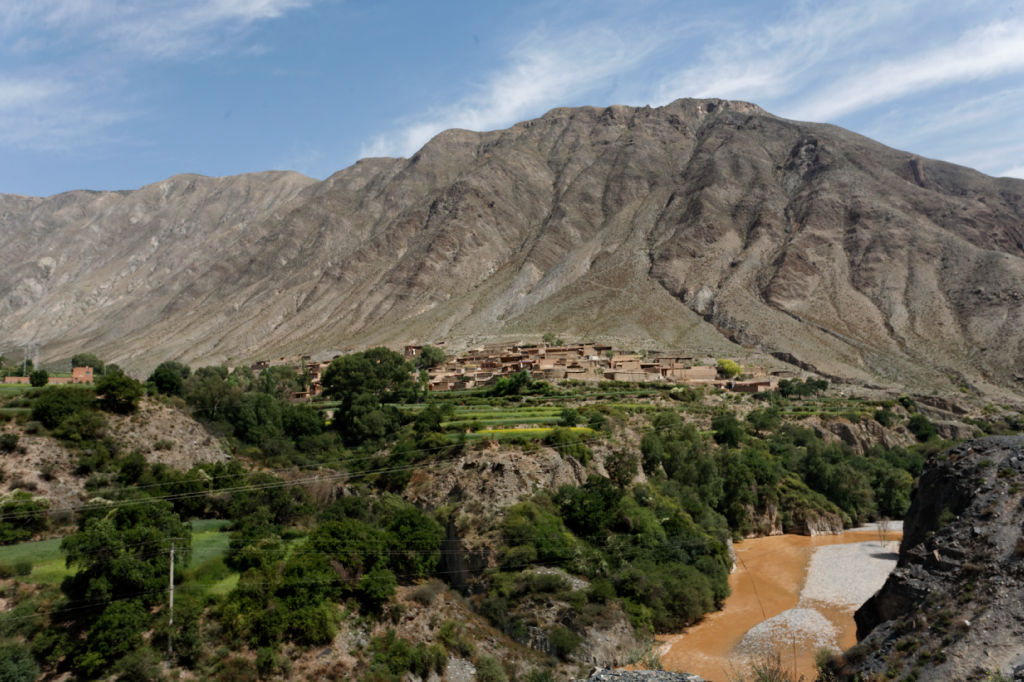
(635, 225)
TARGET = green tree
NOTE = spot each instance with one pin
(123, 553)
(258, 418)
(551, 339)
(21, 516)
(365, 383)
(763, 421)
(622, 466)
(169, 377)
(279, 381)
(514, 384)
(569, 417)
(87, 360)
(121, 560)
(55, 403)
(590, 508)
(39, 377)
(414, 541)
(727, 429)
(118, 392)
(17, 664)
(922, 428)
(212, 394)
(729, 368)
(430, 356)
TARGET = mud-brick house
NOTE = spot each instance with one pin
(81, 375)
(625, 363)
(562, 355)
(761, 385)
(700, 374)
(635, 375)
(16, 380)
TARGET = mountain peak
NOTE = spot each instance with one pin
(680, 226)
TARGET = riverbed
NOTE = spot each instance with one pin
(791, 595)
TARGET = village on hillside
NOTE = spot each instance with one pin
(483, 366)
(591, 362)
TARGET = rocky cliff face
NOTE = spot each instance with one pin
(700, 224)
(953, 608)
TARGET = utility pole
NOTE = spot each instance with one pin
(170, 619)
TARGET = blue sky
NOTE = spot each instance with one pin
(115, 94)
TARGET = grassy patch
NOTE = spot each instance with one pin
(209, 545)
(14, 411)
(45, 556)
(15, 389)
(508, 434)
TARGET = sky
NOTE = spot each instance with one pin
(117, 94)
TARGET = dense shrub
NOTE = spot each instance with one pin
(54, 404)
(921, 427)
(568, 443)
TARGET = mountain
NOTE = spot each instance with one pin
(706, 225)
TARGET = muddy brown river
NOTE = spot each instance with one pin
(770, 576)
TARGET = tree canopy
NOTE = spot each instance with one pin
(118, 392)
(365, 383)
(87, 360)
(430, 356)
(169, 377)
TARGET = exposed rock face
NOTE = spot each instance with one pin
(604, 675)
(46, 467)
(696, 224)
(953, 608)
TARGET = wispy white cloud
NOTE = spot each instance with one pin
(1014, 172)
(150, 28)
(988, 51)
(20, 93)
(957, 124)
(93, 45)
(759, 62)
(177, 29)
(543, 73)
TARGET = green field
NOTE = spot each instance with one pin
(45, 556)
(209, 546)
(508, 434)
(8, 390)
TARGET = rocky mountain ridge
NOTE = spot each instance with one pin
(707, 225)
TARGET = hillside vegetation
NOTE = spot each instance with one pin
(412, 532)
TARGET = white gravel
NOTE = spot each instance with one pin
(843, 576)
(804, 628)
(847, 575)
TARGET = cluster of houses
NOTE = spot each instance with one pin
(593, 362)
(485, 365)
(585, 362)
(79, 375)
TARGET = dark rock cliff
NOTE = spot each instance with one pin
(953, 608)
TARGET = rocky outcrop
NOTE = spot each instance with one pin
(860, 435)
(953, 608)
(603, 675)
